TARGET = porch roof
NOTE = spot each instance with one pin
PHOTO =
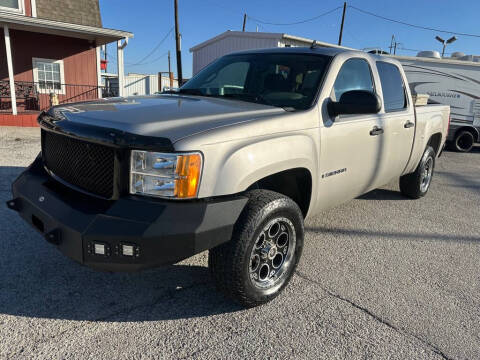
(100, 36)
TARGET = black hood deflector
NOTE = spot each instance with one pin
(101, 135)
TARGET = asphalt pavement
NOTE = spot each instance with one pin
(381, 277)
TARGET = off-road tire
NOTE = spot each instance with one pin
(411, 184)
(230, 263)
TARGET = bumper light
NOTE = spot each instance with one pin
(100, 249)
(165, 175)
(127, 250)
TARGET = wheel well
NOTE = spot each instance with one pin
(435, 141)
(475, 133)
(294, 183)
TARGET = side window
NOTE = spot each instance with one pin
(355, 74)
(393, 87)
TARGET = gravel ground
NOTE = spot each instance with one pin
(380, 277)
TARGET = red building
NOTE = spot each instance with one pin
(51, 54)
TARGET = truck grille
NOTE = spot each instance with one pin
(87, 166)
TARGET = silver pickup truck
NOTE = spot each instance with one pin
(233, 162)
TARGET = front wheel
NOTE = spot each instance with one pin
(260, 259)
(416, 184)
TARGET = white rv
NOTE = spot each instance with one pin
(451, 81)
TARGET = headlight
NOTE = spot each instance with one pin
(165, 175)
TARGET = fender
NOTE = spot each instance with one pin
(247, 162)
(423, 130)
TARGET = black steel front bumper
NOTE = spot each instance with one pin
(161, 232)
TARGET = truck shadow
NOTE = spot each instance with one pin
(37, 281)
(398, 235)
(458, 180)
(382, 194)
(476, 149)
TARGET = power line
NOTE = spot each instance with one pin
(296, 22)
(112, 59)
(152, 61)
(237, 12)
(412, 25)
(154, 49)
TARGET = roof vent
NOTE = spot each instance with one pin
(458, 54)
(429, 54)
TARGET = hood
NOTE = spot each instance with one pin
(168, 116)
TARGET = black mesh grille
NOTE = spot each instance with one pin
(85, 165)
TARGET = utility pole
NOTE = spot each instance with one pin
(244, 22)
(178, 46)
(170, 75)
(343, 22)
(391, 43)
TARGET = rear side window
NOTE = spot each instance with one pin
(355, 74)
(393, 87)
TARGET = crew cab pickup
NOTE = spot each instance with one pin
(232, 162)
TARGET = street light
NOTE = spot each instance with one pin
(445, 42)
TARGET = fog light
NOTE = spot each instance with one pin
(127, 250)
(99, 249)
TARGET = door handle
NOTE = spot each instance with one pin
(376, 131)
(408, 124)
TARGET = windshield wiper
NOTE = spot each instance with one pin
(257, 98)
(191, 92)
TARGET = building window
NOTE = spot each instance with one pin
(48, 75)
(12, 6)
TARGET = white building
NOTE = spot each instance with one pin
(232, 41)
(136, 84)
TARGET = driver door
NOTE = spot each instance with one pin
(351, 149)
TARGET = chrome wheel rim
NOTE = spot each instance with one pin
(426, 175)
(272, 254)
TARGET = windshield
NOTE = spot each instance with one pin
(283, 80)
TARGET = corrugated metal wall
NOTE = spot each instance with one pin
(138, 84)
(204, 56)
(141, 84)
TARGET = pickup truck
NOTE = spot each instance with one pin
(233, 162)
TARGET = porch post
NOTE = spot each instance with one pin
(99, 74)
(13, 96)
(121, 68)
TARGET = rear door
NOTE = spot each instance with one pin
(350, 150)
(399, 122)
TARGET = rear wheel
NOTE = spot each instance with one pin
(416, 184)
(259, 261)
(464, 141)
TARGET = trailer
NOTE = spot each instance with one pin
(451, 81)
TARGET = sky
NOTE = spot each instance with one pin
(152, 23)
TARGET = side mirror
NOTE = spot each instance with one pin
(355, 102)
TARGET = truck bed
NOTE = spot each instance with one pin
(430, 119)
